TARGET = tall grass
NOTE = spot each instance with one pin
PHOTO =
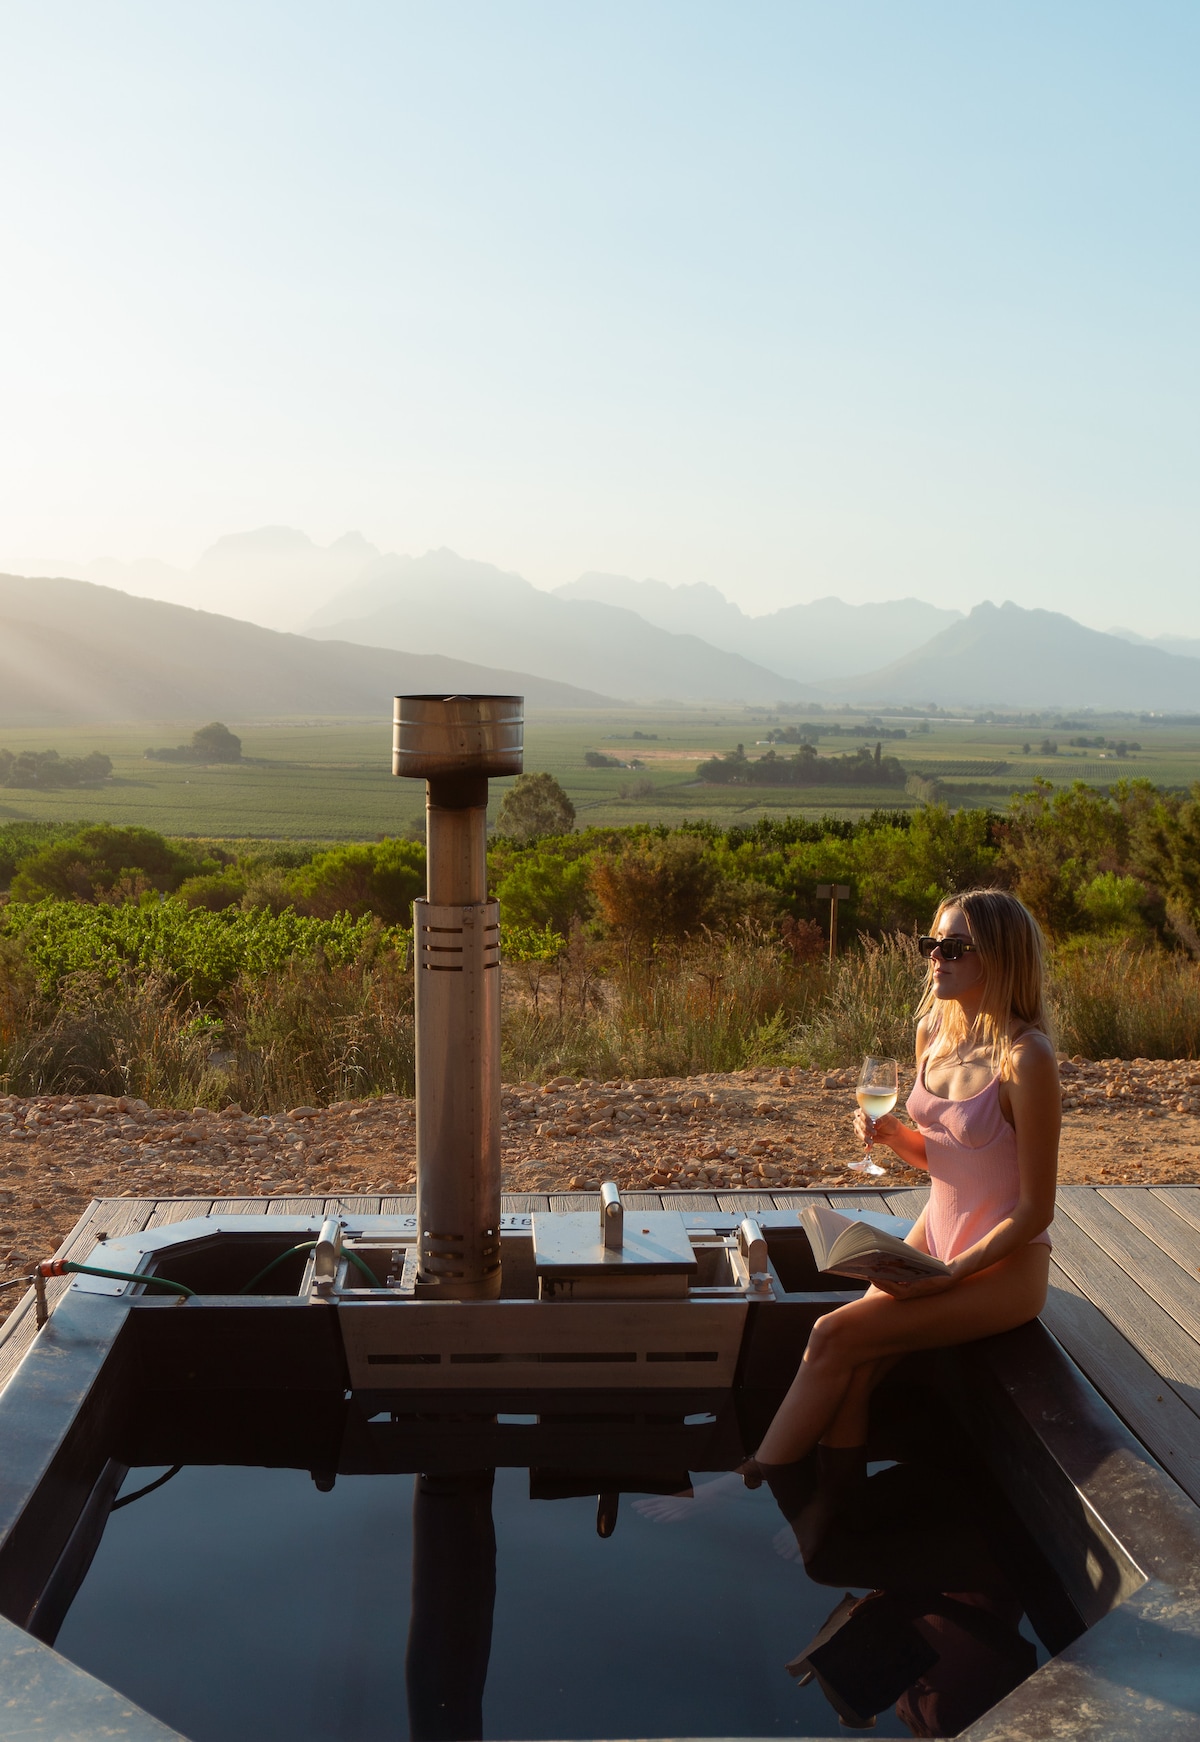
(306, 1033)
(724, 1004)
(315, 1030)
(1119, 1001)
(870, 1007)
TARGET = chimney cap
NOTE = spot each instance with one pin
(434, 736)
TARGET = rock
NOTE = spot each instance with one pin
(303, 1112)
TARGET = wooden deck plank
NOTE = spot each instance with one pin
(1127, 1382)
(908, 1201)
(641, 1200)
(1162, 1278)
(1161, 1223)
(240, 1206)
(401, 1204)
(520, 1203)
(745, 1202)
(1184, 1200)
(353, 1204)
(857, 1201)
(698, 1202)
(564, 1203)
(1158, 1338)
(296, 1207)
(169, 1210)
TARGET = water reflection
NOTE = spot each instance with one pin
(938, 1636)
(453, 1599)
(532, 1608)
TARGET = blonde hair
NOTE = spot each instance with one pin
(1011, 953)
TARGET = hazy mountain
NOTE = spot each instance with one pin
(74, 651)
(1006, 656)
(273, 575)
(1188, 646)
(441, 601)
(815, 642)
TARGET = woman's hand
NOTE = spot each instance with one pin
(913, 1287)
(869, 1131)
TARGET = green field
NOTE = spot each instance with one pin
(331, 779)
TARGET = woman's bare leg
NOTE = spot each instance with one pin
(849, 1425)
(876, 1327)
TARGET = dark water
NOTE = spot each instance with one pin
(238, 1603)
(244, 1601)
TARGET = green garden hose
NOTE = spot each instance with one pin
(68, 1266)
(307, 1246)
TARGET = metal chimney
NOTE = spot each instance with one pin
(456, 744)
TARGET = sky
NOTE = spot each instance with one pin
(873, 299)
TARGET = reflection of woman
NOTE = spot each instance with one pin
(987, 1110)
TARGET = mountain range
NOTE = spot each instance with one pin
(375, 623)
(71, 651)
(1005, 656)
(442, 600)
(817, 642)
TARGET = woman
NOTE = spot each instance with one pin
(987, 1110)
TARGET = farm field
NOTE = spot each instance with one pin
(330, 779)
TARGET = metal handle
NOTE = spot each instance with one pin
(612, 1216)
(327, 1252)
(752, 1245)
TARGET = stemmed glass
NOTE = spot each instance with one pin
(878, 1086)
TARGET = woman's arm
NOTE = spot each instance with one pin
(1036, 1101)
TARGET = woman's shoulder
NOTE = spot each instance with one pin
(1032, 1053)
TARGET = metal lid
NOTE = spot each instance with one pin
(445, 735)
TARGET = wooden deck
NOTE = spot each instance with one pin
(1124, 1285)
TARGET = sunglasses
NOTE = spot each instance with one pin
(950, 949)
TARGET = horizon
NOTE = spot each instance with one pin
(793, 303)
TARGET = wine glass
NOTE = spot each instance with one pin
(878, 1086)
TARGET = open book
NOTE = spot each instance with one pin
(860, 1250)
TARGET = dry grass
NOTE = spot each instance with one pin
(315, 1033)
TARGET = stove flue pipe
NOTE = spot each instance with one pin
(456, 744)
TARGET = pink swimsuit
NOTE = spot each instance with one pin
(971, 1150)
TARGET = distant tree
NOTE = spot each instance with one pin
(46, 768)
(216, 743)
(597, 759)
(534, 806)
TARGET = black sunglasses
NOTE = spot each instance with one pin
(950, 949)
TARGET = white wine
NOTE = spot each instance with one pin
(875, 1103)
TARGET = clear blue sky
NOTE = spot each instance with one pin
(793, 298)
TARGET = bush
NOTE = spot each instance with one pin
(21, 841)
(544, 888)
(657, 889)
(101, 862)
(383, 878)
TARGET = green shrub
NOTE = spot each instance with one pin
(545, 888)
(102, 862)
(382, 878)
